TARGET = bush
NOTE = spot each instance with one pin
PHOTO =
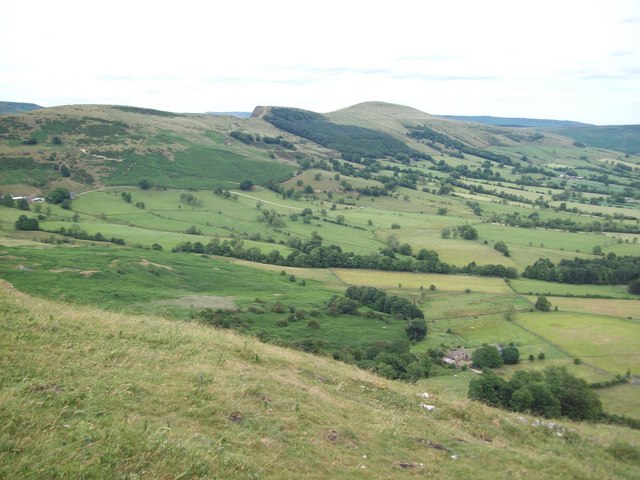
(543, 304)
(510, 355)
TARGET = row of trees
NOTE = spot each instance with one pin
(312, 254)
(609, 270)
(379, 300)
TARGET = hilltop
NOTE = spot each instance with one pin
(121, 395)
(17, 107)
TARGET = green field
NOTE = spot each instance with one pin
(527, 286)
(608, 343)
(455, 283)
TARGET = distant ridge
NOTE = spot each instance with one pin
(516, 122)
(17, 107)
(232, 114)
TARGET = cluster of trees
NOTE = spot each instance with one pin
(20, 203)
(609, 270)
(190, 199)
(466, 232)
(27, 224)
(248, 138)
(489, 356)
(551, 393)
(60, 196)
(381, 302)
(351, 141)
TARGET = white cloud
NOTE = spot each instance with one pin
(495, 57)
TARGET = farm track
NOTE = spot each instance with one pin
(267, 201)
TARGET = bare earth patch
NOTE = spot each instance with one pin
(64, 269)
(88, 273)
(201, 301)
(146, 263)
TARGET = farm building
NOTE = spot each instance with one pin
(457, 357)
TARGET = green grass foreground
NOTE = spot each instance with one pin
(92, 394)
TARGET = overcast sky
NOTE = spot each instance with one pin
(561, 59)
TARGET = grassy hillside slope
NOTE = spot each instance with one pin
(625, 138)
(89, 394)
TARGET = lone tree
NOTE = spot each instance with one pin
(543, 304)
(416, 329)
(501, 247)
(246, 185)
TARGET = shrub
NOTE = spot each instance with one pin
(543, 304)
(510, 355)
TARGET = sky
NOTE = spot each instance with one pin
(560, 59)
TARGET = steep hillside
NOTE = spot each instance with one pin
(89, 394)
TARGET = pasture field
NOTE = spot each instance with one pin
(629, 309)
(119, 278)
(607, 343)
(528, 286)
(177, 285)
(441, 306)
(553, 239)
(621, 398)
(473, 332)
(215, 215)
(453, 283)
(323, 275)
